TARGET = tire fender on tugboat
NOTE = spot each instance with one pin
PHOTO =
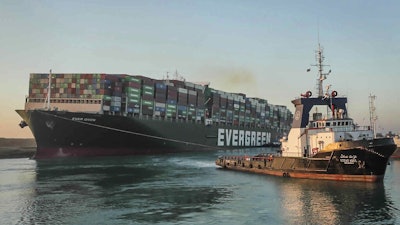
(285, 174)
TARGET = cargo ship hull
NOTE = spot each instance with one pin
(71, 134)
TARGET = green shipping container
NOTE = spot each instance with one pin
(107, 98)
(148, 93)
(134, 100)
(171, 110)
(132, 79)
(171, 106)
(132, 90)
(133, 95)
(148, 88)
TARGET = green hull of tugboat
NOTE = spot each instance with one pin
(353, 162)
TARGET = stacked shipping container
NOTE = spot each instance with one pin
(133, 90)
(138, 95)
(92, 86)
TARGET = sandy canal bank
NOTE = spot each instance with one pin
(17, 148)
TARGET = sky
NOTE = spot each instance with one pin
(260, 48)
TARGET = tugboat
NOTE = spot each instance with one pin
(328, 147)
(396, 154)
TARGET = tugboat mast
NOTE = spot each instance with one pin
(319, 55)
(372, 114)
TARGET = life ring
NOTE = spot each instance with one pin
(314, 150)
(334, 93)
(307, 94)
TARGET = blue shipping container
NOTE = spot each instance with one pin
(160, 109)
(171, 102)
(181, 107)
(160, 86)
(115, 108)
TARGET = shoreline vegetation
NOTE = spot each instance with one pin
(17, 147)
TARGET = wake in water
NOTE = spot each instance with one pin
(190, 162)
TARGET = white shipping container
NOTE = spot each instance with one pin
(188, 84)
(192, 92)
(182, 90)
(199, 87)
(158, 104)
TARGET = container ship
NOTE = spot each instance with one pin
(119, 114)
(323, 143)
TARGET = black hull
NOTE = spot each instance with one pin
(66, 134)
(353, 164)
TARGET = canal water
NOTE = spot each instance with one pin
(184, 188)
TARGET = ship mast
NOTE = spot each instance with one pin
(47, 100)
(372, 115)
(319, 55)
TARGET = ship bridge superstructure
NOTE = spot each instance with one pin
(311, 134)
